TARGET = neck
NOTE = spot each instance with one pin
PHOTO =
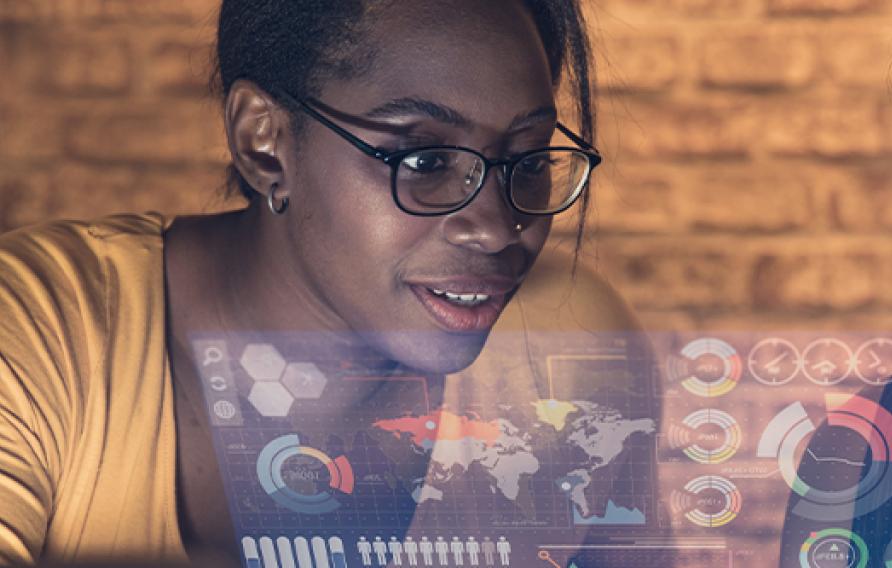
(240, 286)
(263, 291)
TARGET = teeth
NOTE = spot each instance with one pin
(469, 299)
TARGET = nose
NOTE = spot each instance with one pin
(487, 224)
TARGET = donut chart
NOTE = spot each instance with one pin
(693, 432)
(703, 510)
(708, 367)
(792, 426)
(834, 547)
(271, 460)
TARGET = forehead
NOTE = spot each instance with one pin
(484, 58)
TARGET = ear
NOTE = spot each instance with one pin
(255, 127)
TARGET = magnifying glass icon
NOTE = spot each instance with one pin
(212, 355)
(546, 556)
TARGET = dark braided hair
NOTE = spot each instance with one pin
(296, 45)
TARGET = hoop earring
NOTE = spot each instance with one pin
(270, 201)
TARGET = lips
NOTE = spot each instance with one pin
(464, 304)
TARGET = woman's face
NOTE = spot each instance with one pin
(458, 72)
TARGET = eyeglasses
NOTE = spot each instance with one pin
(441, 179)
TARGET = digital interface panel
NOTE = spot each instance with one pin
(559, 450)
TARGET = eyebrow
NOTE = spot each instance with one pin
(413, 105)
(541, 114)
(448, 115)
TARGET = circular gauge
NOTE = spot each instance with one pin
(707, 436)
(774, 361)
(833, 548)
(827, 361)
(792, 429)
(303, 489)
(708, 501)
(707, 367)
(873, 361)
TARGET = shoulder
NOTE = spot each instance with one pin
(64, 248)
(58, 283)
(56, 274)
(81, 345)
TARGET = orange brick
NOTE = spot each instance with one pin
(33, 136)
(746, 200)
(809, 7)
(180, 191)
(857, 199)
(82, 66)
(873, 318)
(179, 69)
(193, 11)
(144, 11)
(640, 62)
(17, 11)
(87, 191)
(164, 135)
(666, 129)
(636, 202)
(859, 59)
(665, 273)
(817, 280)
(756, 60)
(837, 128)
(675, 320)
(84, 192)
(655, 10)
(25, 198)
(14, 58)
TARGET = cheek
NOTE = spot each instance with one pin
(535, 235)
(353, 235)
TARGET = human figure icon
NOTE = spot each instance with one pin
(427, 551)
(396, 551)
(410, 547)
(503, 547)
(442, 548)
(365, 550)
(380, 548)
(458, 551)
(489, 551)
(472, 547)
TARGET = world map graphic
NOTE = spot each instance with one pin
(508, 450)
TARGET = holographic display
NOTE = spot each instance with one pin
(610, 449)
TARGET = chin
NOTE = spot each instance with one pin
(431, 352)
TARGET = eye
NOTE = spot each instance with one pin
(535, 164)
(427, 162)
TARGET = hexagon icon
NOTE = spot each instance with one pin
(304, 380)
(263, 362)
(270, 399)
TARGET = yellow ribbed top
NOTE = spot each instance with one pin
(87, 437)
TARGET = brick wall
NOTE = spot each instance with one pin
(748, 180)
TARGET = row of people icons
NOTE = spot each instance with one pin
(438, 552)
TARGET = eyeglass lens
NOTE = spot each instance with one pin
(440, 179)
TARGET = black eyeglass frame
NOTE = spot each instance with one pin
(394, 159)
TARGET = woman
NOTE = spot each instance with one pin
(397, 257)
